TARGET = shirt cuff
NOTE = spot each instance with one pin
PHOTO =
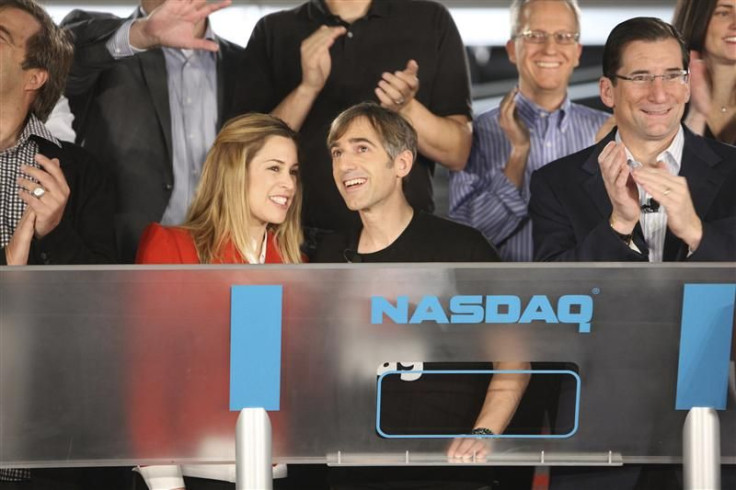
(509, 194)
(119, 44)
(162, 477)
(220, 472)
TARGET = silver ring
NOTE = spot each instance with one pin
(38, 192)
(667, 190)
(399, 101)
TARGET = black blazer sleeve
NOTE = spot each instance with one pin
(85, 234)
(567, 225)
(90, 32)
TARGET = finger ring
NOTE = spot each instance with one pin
(399, 101)
(667, 190)
(38, 192)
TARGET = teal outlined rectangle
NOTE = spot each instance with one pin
(494, 436)
(705, 345)
(255, 347)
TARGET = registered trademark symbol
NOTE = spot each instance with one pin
(595, 291)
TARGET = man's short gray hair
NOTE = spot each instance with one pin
(517, 9)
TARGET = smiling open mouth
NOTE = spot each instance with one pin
(548, 64)
(280, 200)
(656, 112)
(354, 182)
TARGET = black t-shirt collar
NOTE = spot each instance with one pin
(318, 10)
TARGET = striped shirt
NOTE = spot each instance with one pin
(654, 224)
(483, 197)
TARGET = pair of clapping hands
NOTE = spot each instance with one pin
(394, 91)
(45, 197)
(671, 191)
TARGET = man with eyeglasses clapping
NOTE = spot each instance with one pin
(599, 204)
(535, 124)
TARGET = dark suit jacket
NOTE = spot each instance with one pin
(85, 234)
(570, 208)
(122, 116)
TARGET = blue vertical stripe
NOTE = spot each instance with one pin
(705, 345)
(255, 347)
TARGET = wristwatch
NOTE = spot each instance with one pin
(482, 431)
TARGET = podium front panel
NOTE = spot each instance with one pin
(123, 365)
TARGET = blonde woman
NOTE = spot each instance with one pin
(247, 205)
(246, 210)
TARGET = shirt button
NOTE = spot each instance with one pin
(549, 143)
(350, 34)
(168, 187)
(45, 257)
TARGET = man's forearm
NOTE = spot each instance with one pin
(503, 396)
(516, 166)
(445, 140)
(295, 107)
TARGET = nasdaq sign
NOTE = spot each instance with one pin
(491, 309)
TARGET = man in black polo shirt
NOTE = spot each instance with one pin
(308, 64)
(373, 150)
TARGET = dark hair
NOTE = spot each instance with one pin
(50, 49)
(396, 133)
(647, 29)
(691, 20)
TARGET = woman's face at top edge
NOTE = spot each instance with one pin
(720, 38)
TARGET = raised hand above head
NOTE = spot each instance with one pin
(176, 24)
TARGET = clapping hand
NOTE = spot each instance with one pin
(396, 90)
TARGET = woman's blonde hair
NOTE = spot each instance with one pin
(220, 209)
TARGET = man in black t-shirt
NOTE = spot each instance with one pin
(308, 64)
(373, 150)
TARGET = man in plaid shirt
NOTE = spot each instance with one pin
(55, 203)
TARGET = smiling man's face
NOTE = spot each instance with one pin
(545, 69)
(650, 111)
(365, 174)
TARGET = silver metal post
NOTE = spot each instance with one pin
(701, 450)
(253, 450)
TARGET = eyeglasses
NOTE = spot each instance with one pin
(541, 37)
(670, 77)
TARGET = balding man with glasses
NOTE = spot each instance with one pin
(651, 190)
(535, 124)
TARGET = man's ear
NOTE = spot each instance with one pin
(511, 50)
(35, 78)
(605, 86)
(403, 163)
(578, 55)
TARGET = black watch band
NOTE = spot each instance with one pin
(482, 431)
